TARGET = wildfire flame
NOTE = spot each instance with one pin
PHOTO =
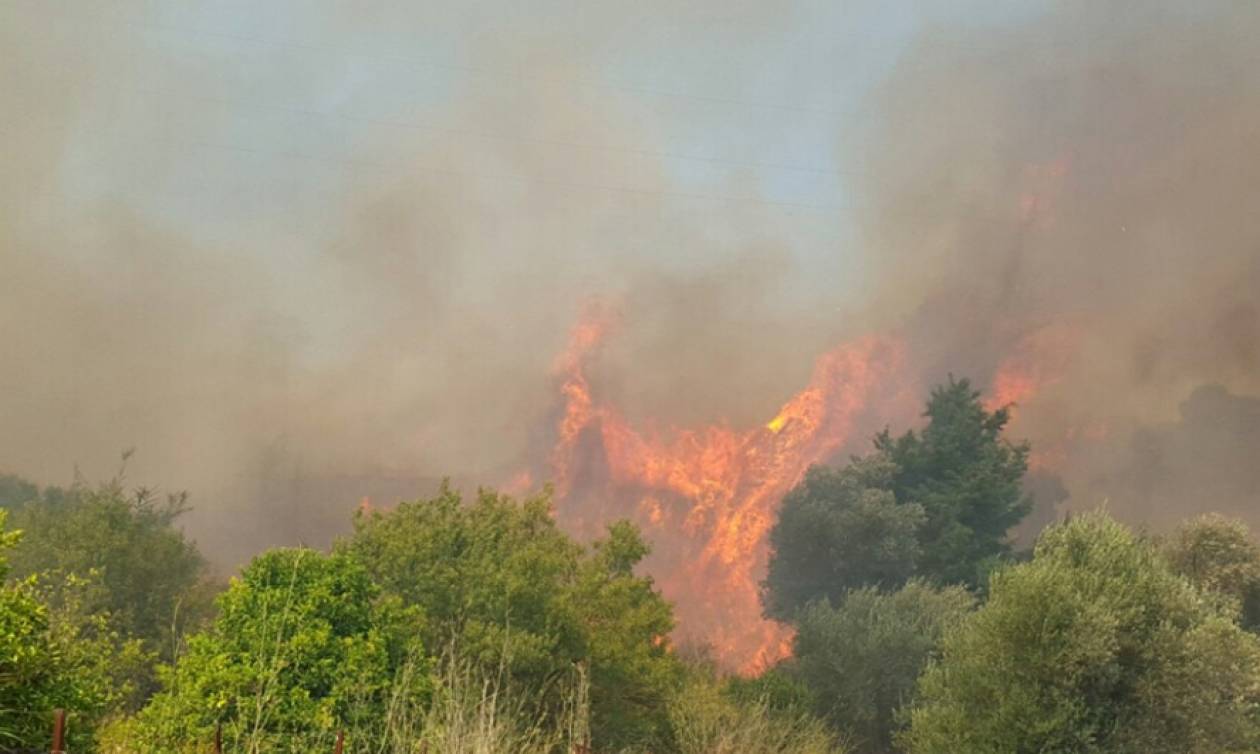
(706, 497)
(1037, 363)
(1039, 360)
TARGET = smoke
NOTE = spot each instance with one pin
(1204, 460)
(292, 268)
(336, 255)
(1072, 200)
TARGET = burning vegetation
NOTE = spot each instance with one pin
(707, 497)
(893, 357)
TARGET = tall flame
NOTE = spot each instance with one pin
(706, 497)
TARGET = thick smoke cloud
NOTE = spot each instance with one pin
(378, 303)
(294, 275)
(1204, 460)
(1078, 193)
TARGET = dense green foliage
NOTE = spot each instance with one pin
(304, 644)
(935, 504)
(55, 658)
(501, 585)
(861, 658)
(148, 577)
(1218, 555)
(15, 491)
(968, 480)
(779, 688)
(480, 626)
(1096, 645)
(840, 529)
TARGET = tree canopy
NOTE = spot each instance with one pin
(968, 479)
(840, 529)
(860, 659)
(147, 576)
(304, 644)
(1095, 645)
(53, 658)
(1218, 555)
(502, 585)
(935, 504)
(479, 624)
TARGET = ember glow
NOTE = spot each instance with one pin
(706, 497)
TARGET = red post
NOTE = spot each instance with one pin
(218, 738)
(341, 742)
(59, 731)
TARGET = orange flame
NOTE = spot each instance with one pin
(709, 495)
(1039, 360)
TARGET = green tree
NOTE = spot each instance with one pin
(147, 575)
(966, 477)
(16, 491)
(1093, 646)
(1219, 556)
(861, 658)
(486, 574)
(504, 587)
(624, 622)
(304, 644)
(48, 661)
(840, 529)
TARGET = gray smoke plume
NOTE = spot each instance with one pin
(335, 256)
(1079, 192)
(305, 263)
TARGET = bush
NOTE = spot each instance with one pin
(499, 581)
(304, 645)
(146, 575)
(1218, 555)
(706, 719)
(1093, 646)
(860, 659)
(54, 658)
(840, 529)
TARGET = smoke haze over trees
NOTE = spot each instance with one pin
(312, 258)
(265, 254)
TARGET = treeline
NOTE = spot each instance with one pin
(450, 625)
(920, 630)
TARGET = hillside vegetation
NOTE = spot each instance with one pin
(479, 626)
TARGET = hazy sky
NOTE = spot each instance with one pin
(286, 181)
(251, 126)
(265, 240)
